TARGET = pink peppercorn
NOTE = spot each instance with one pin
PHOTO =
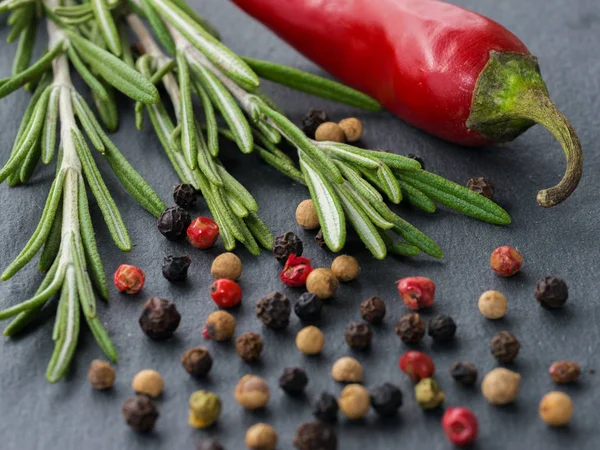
(506, 261)
(460, 425)
(203, 232)
(129, 279)
(226, 293)
(417, 292)
(295, 271)
(417, 365)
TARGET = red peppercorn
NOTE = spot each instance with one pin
(296, 271)
(203, 232)
(417, 365)
(205, 333)
(226, 293)
(460, 425)
(417, 292)
(506, 261)
(129, 279)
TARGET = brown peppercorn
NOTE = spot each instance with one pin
(500, 386)
(306, 215)
(320, 240)
(505, 347)
(312, 120)
(204, 409)
(492, 304)
(310, 340)
(564, 372)
(551, 292)
(428, 394)
(345, 268)
(249, 346)
(209, 444)
(197, 361)
(481, 186)
(331, 132)
(101, 375)
(410, 328)
(226, 265)
(373, 310)
(347, 370)
(287, 244)
(352, 128)
(358, 336)
(220, 326)
(464, 373)
(315, 436)
(252, 392)
(140, 413)
(274, 310)
(354, 401)
(159, 318)
(556, 409)
(322, 282)
(148, 382)
(261, 437)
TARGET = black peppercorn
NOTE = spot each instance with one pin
(320, 240)
(551, 292)
(274, 310)
(249, 346)
(373, 310)
(313, 119)
(173, 223)
(505, 347)
(358, 335)
(293, 380)
(140, 413)
(159, 318)
(197, 361)
(464, 373)
(175, 268)
(441, 328)
(209, 444)
(418, 159)
(410, 328)
(308, 307)
(315, 436)
(325, 407)
(481, 186)
(386, 399)
(184, 195)
(287, 244)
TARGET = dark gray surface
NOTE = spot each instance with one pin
(562, 241)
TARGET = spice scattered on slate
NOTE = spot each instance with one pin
(293, 380)
(386, 399)
(220, 326)
(226, 293)
(148, 382)
(353, 129)
(325, 407)
(460, 426)
(428, 394)
(140, 413)
(551, 292)
(197, 361)
(261, 437)
(417, 292)
(417, 365)
(323, 283)
(274, 310)
(320, 240)
(354, 401)
(226, 265)
(203, 232)
(482, 186)
(173, 223)
(358, 336)
(500, 386)
(185, 196)
(129, 279)
(312, 121)
(310, 340)
(159, 318)
(345, 267)
(287, 244)
(464, 373)
(492, 304)
(296, 271)
(101, 375)
(347, 370)
(442, 328)
(564, 372)
(175, 268)
(209, 444)
(505, 347)
(330, 132)
(249, 346)
(410, 328)
(506, 261)
(418, 159)
(556, 409)
(306, 215)
(373, 310)
(204, 409)
(252, 392)
(308, 307)
(315, 435)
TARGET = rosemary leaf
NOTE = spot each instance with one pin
(31, 160)
(212, 128)
(102, 338)
(281, 165)
(107, 110)
(272, 135)
(260, 231)
(48, 140)
(417, 238)
(206, 162)
(94, 84)
(236, 206)
(393, 161)
(416, 198)
(389, 181)
(403, 249)
(186, 113)
(107, 26)
(164, 69)
(86, 122)
(84, 287)
(234, 188)
(25, 47)
(362, 187)
(158, 26)
(21, 18)
(209, 27)
(52, 244)
(345, 153)
(368, 209)
(271, 147)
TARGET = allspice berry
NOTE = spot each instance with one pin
(551, 292)
(410, 328)
(252, 392)
(556, 409)
(564, 372)
(347, 370)
(345, 267)
(354, 401)
(310, 340)
(500, 386)
(261, 437)
(323, 283)
(505, 347)
(101, 375)
(306, 215)
(204, 409)
(249, 346)
(315, 436)
(220, 326)
(159, 318)
(492, 304)
(197, 361)
(148, 382)
(373, 310)
(226, 265)
(140, 413)
(330, 131)
(358, 335)
(352, 128)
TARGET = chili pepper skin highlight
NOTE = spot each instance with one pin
(451, 72)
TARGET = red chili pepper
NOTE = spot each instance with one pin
(296, 271)
(449, 71)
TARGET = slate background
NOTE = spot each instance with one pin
(562, 241)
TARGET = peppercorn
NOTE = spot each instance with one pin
(464, 373)
(386, 399)
(287, 244)
(185, 195)
(345, 268)
(308, 307)
(441, 328)
(293, 380)
(249, 346)
(428, 394)
(325, 407)
(354, 401)
(173, 223)
(129, 279)
(564, 372)
(226, 293)
(220, 326)
(274, 310)
(197, 361)
(323, 283)
(159, 318)
(505, 347)
(358, 336)
(500, 386)
(203, 232)
(226, 265)
(315, 436)
(416, 365)
(310, 340)
(140, 413)
(551, 292)
(261, 437)
(320, 240)
(353, 129)
(296, 271)
(556, 409)
(204, 409)
(252, 392)
(209, 444)
(347, 370)
(373, 310)
(481, 186)
(312, 120)
(148, 382)
(460, 426)
(306, 215)
(417, 292)
(330, 132)
(417, 158)
(410, 328)
(175, 268)
(506, 261)
(492, 304)
(101, 375)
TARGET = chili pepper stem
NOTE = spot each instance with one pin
(510, 97)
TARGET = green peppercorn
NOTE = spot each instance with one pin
(205, 409)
